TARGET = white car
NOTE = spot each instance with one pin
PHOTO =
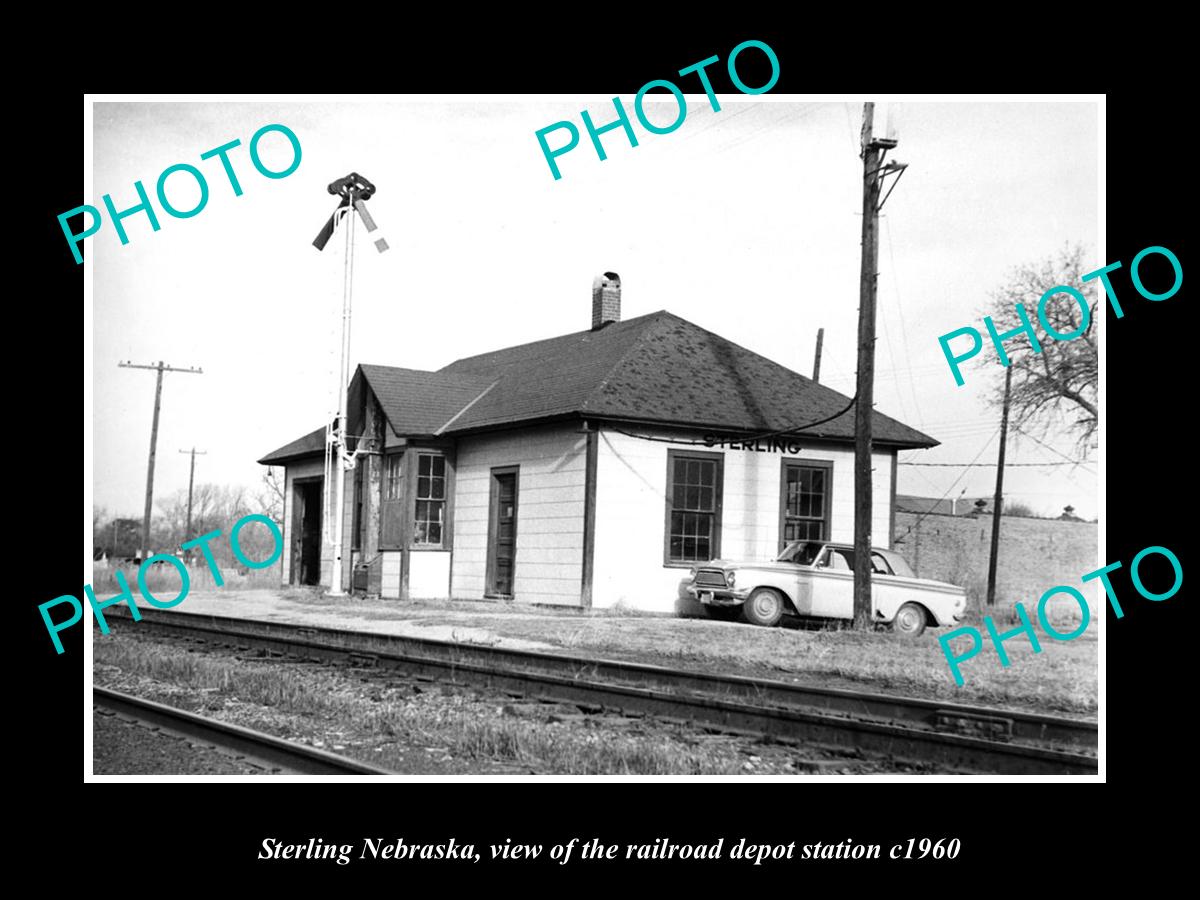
(816, 579)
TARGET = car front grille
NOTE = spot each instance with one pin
(710, 577)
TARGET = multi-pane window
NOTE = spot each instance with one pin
(431, 499)
(805, 502)
(391, 509)
(693, 507)
(392, 478)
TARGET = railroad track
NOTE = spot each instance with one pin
(264, 749)
(971, 738)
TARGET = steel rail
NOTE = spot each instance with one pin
(975, 738)
(260, 748)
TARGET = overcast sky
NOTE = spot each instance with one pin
(745, 221)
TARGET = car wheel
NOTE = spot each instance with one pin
(909, 620)
(764, 606)
(723, 613)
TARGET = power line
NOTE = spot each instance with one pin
(981, 465)
(903, 328)
(954, 484)
(850, 125)
(755, 437)
(887, 339)
(1056, 452)
(804, 113)
(720, 122)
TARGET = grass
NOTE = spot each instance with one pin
(465, 727)
(164, 581)
(1062, 678)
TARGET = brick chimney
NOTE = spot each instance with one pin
(606, 300)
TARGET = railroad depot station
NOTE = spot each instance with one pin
(587, 470)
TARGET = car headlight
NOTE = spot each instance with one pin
(731, 578)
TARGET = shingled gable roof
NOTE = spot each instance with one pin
(659, 368)
(313, 442)
(655, 369)
(417, 402)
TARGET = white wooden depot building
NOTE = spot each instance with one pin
(584, 470)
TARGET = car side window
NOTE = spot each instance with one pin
(838, 560)
(879, 565)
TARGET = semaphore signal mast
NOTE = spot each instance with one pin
(354, 191)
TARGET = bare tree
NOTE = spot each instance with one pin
(1057, 387)
(218, 507)
(270, 495)
(1017, 508)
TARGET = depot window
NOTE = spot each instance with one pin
(804, 505)
(391, 529)
(430, 517)
(693, 526)
(393, 478)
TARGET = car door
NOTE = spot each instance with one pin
(884, 590)
(833, 584)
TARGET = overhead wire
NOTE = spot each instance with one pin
(792, 429)
(954, 484)
(903, 328)
(1007, 465)
(1055, 451)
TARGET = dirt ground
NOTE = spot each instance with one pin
(1061, 679)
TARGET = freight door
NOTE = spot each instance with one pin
(306, 559)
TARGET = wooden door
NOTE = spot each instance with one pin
(502, 534)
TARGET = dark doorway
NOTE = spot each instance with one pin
(306, 532)
(502, 533)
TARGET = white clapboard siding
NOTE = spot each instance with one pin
(631, 496)
(429, 574)
(391, 574)
(549, 560)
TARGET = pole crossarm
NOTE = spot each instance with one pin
(160, 366)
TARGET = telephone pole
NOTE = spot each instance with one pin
(817, 355)
(999, 499)
(187, 534)
(874, 149)
(160, 367)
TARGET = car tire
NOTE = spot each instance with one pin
(723, 613)
(763, 607)
(909, 620)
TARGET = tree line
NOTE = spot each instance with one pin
(214, 507)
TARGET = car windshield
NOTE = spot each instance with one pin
(801, 552)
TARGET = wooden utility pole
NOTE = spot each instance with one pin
(817, 357)
(160, 367)
(873, 151)
(997, 503)
(866, 375)
(187, 534)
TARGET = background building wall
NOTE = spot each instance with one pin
(550, 491)
(1034, 555)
